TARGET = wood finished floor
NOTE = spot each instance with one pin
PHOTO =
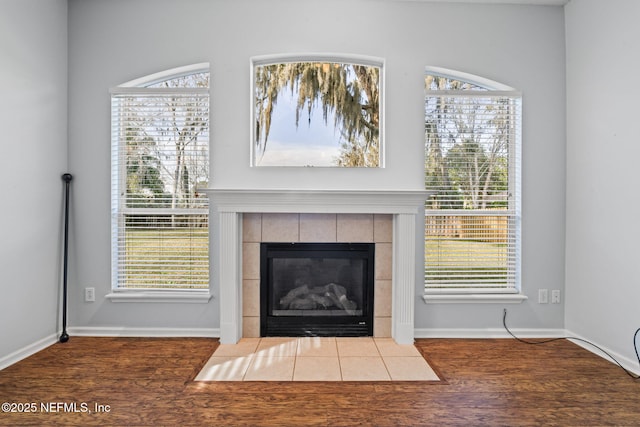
(487, 383)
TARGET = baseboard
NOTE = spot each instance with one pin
(27, 351)
(487, 333)
(105, 331)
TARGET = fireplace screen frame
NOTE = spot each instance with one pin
(358, 323)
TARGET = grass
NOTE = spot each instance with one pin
(167, 257)
(454, 262)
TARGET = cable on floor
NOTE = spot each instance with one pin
(635, 346)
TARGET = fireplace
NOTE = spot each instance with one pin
(316, 289)
(228, 205)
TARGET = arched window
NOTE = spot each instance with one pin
(160, 161)
(472, 168)
(317, 110)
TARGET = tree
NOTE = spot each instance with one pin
(357, 153)
(467, 147)
(166, 136)
(182, 123)
(349, 91)
(436, 170)
(145, 187)
(475, 174)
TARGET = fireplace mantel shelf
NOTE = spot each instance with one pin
(231, 203)
(317, 201)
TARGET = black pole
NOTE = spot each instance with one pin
(64, 337)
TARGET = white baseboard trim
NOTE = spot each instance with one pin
(106, 331)
(487, 333)
(27, 351)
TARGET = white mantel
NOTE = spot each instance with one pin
(230, 204)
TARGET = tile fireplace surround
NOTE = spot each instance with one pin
(230, 204)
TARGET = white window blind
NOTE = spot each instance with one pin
(160, 159)
(472, 166)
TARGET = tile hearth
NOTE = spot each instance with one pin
(316, 359)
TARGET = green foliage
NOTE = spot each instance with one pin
(145, 187)
(357, 153)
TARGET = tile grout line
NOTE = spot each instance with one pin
(295, 353)
(252, 359)
(335, 342)
(382, 359)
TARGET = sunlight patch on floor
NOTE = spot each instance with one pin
(316, 359)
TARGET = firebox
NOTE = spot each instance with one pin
(316, 289)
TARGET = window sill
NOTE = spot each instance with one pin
(474, 298)
(201, 297)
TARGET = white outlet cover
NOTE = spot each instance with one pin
(543, 296)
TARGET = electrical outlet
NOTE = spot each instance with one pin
(543, 296)
(555, 296)
(89, 294)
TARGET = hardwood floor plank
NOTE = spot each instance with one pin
(149, 381)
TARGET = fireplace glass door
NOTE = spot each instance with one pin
(317, 289)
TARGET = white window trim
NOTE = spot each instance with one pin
(164, 296)
(473, 298)
(476, 80)
(202, 67)
(478, 295)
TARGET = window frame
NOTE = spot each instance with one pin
(275, 59)
(478, 294)
(119, 175)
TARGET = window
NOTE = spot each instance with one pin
(317, 110)
(472, 168)
(160, 159)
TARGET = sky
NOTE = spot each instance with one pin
(310, 144)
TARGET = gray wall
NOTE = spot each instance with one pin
(603, 231)
(114, 41)
(33, 119)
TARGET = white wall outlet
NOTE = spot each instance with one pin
(555, 296)
(543, 296)
(89, 294)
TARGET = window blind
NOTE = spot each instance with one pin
(472, 168)
(160, 160)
